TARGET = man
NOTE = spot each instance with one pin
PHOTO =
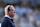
(8, 19)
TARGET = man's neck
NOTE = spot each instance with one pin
(11, 17)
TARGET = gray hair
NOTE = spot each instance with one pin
(6, 9)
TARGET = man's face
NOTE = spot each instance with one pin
(11, 12)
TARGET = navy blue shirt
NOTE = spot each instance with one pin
(7, 22)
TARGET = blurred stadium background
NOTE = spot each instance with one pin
(27, 12)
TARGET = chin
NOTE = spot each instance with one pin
(13, 15)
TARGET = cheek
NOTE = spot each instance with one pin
(13, 13)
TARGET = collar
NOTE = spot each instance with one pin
(7, 16)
